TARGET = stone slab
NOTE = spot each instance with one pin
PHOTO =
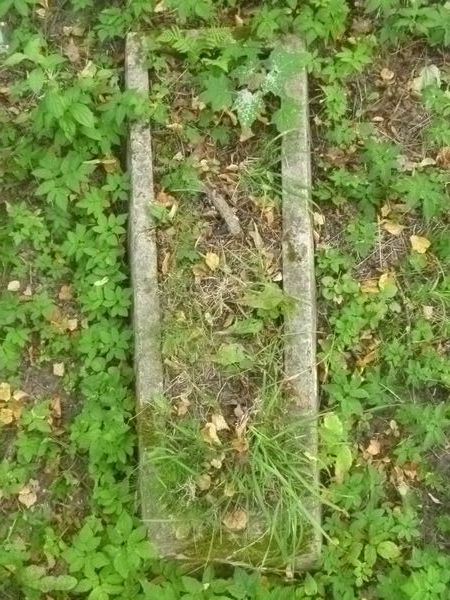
(298, 277)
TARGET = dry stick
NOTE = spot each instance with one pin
(225, 211)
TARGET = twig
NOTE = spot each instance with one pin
(225, 211)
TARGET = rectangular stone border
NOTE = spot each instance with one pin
(298, 281)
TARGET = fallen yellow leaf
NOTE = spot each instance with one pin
(363, 361)
(369, 286)
(65, 292)
(393, 228)
(385, 280)
(387, 74)
(209, 434)
(219, 422)
(5, 391)
(240, 445)
(374, 447)
(19, 395)
(56, 407)
(182, 407)
(419, 244)
(212, 260)
(27, 496)
(204, 482)
(217, 462)
(58, 369)
(236, 520)
(6, 416)
(443, 158)
(14, 286)
(229, 490)
(427, 312)
(72, 324)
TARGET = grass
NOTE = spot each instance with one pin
(70, 526)
(211, 450)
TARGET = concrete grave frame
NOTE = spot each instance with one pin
(298, 281)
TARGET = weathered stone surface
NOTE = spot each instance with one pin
(298, 278)
(144, 271)
(298, 273)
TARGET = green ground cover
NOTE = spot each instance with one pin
(380, 110)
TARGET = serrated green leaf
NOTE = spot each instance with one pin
(82, 114)
(191, 585)
(58, 583)
(333, 423)
(388, 550)
(36, 80)
(342, 463)
(217, 92)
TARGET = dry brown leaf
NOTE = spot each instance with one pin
(387, 74)
(443, 158)
(165, 264)
(236, 520)
(65, 292)
(368, 358)
(110, 164)
(318, 219)
(203, 482)
(219, 422)
(5, 391)
(160, 7)
(182, 407)
(385, 210)
(217, 462)
(410, 470)
(374, 447)
(58, 369)
(393, 228)
(240, 445)
(212, 260)
(256, 237)
(27, 496)
(427, 312)
(241, 427)
(72, 51)
(6, 416)
(72, 324)
(55, 405)
(13, 286)
(19, 395)
(209, 434)
(269, 216)
(419, 244)
(16, 408)
(229, 490)
(165, 199)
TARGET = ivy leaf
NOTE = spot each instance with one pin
(248, 106)
(217, 92)
(82, 114)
